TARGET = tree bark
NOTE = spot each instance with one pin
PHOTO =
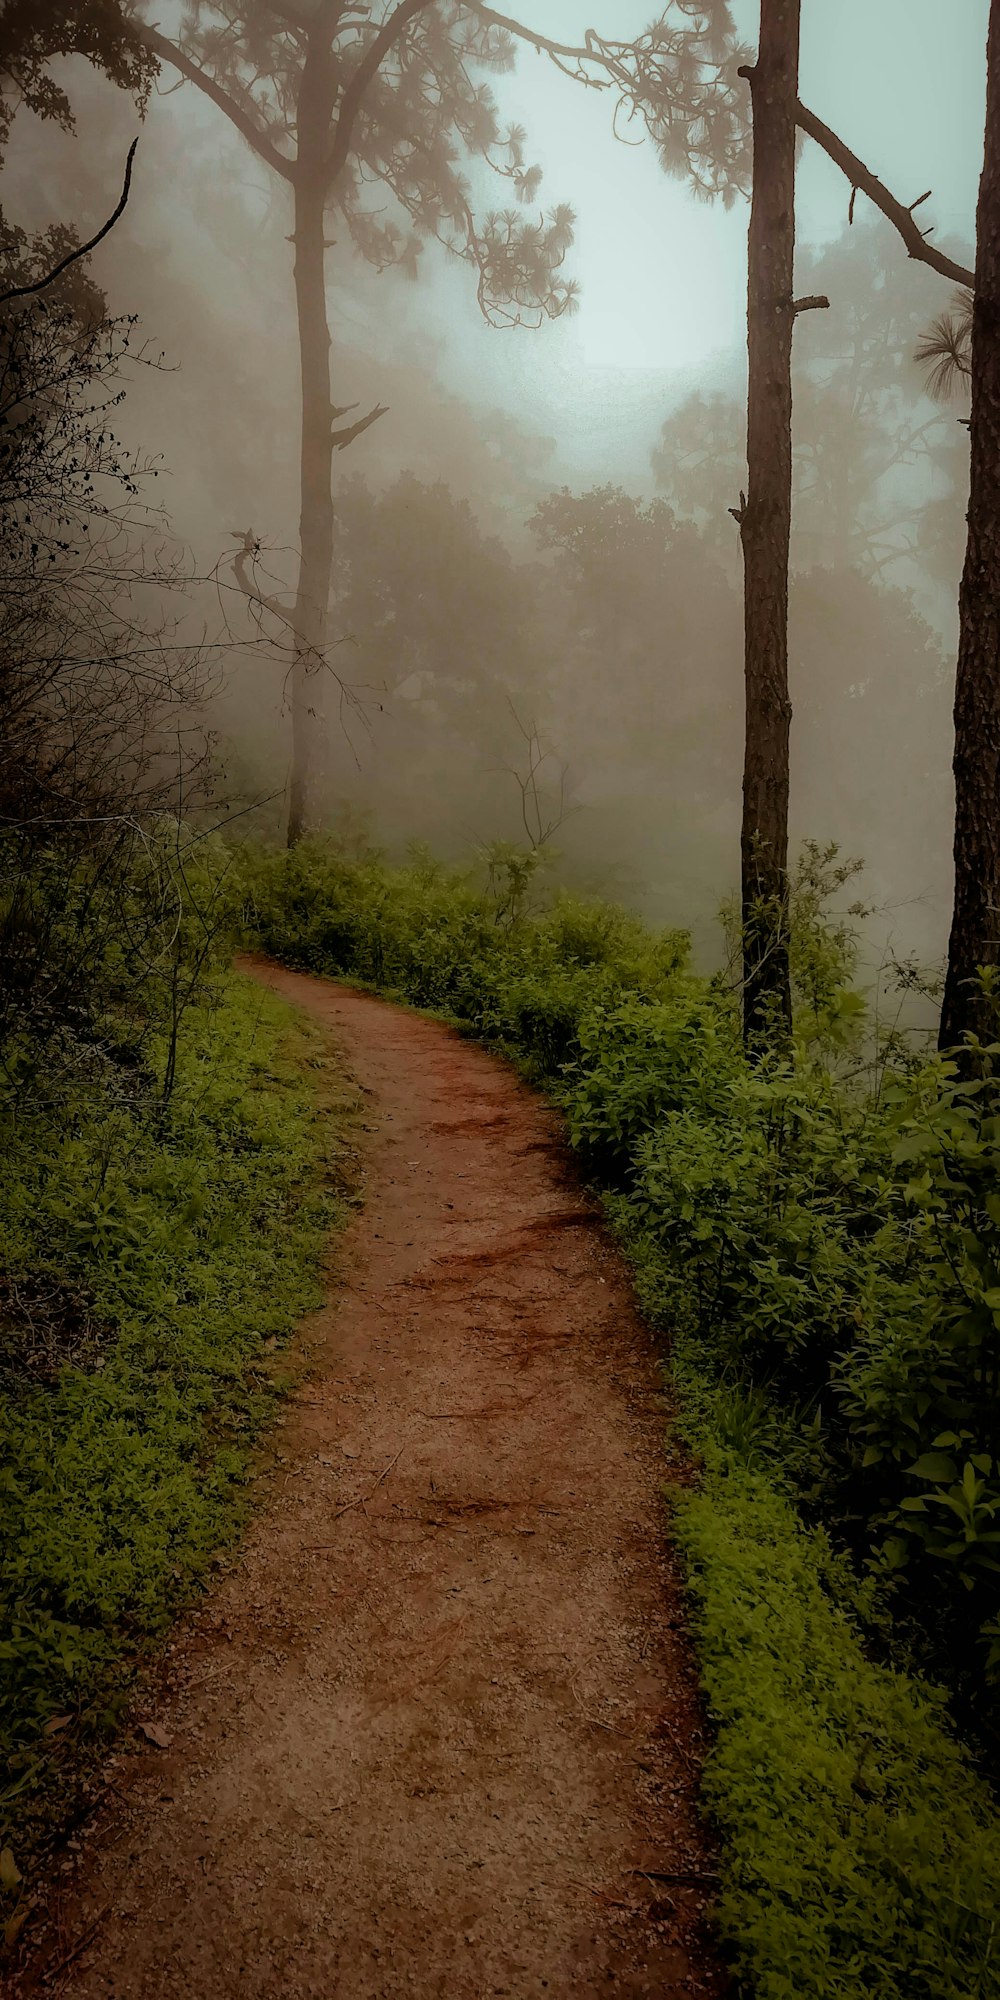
(317, 95)
(312, 598)
(975, 932)
(765, 526)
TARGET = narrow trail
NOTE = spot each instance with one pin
(437, 1732)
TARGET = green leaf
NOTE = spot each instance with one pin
(10, 1874)
(896, 1551)
(934, 1465)
(914, 1144)
(15, 1925)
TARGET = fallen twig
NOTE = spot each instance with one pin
(627, 1735)
(612, 1902)
(654, 1881)
(362, 1497)
(463, 1416)
(686, 1759)
(367, 1298)
(74, 1951)
(676, 1875)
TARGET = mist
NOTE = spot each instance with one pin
(537, 578)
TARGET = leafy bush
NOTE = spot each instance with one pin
(639, 1060)
(844, 1253)
(100, 698)
(862, 1857)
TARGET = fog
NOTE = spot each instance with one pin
(498, 599)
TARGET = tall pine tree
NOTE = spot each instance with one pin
(336, 104)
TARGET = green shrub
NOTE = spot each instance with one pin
(861, 1855)
(639, 1061)
(188, 1238)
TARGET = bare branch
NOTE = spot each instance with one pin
(251, 588)
(243, 562)
(814, 303)
(894, 211)
(169, 52)
(290, 17)
(25, 291)
(539, 827)
(341, 439)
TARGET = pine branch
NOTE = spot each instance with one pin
(169, 52)
(561, 52)
(945, 350)
(367, 69)
(606, 55)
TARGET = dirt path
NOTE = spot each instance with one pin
(436, 1734)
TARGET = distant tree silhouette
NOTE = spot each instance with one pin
(643, 624)
(870, 454)
(433, 604)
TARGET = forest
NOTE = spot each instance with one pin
(500, 999)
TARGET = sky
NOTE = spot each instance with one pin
(662, 275)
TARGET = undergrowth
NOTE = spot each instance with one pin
(861, 1852)
(155, 1254)
(820, 1241)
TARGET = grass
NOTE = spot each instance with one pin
(156, 1264)
(861, 1852)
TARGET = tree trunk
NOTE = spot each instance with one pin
(765, 527)
(975, 929)
(316, 462)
